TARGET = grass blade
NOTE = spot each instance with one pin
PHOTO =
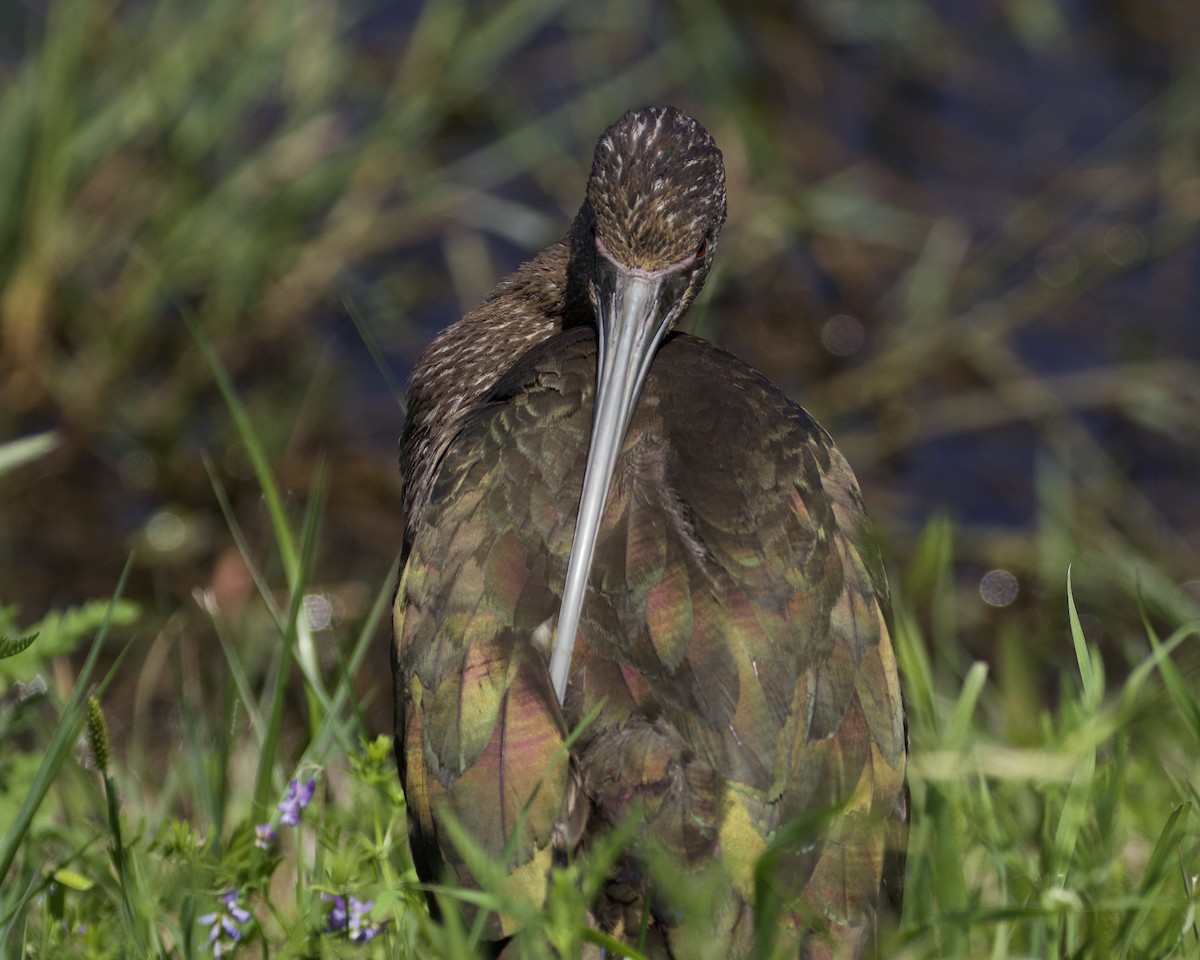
(59, 748)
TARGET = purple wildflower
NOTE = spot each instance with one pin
(337, 916)
(225, 925)
(297, 799)
(264, 836)
(353, 921)
(362, 930)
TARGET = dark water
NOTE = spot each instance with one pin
(1059, 157)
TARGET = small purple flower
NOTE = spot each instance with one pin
(354, 922)
(362, 930)
(337, 916)
(297, 799)
(264, 836)
(225, 925)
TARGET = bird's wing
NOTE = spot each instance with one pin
(737, 577)
(480, 729)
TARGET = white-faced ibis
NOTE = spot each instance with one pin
(604, 515)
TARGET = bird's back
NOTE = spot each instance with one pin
(733, 649)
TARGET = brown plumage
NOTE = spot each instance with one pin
(732, 626)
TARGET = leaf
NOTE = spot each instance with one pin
(10, 647)
(60, 632)
(1090, 670)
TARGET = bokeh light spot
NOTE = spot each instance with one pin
(842, 335)
(1057, 266)
(999, 588)
(1125, 244)
(137, 470)
(318, 612)
(165, 532)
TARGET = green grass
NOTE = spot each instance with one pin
(1070, 833)
(189, 193)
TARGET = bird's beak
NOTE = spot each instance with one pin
(635, 309)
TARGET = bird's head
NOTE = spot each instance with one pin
(655, 205)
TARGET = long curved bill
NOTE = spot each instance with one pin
(634, 311)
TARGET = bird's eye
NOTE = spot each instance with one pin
(703, 251)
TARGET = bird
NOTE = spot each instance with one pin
(640, 597)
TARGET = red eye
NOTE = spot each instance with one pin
(703, 251)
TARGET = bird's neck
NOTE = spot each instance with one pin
(467, 359)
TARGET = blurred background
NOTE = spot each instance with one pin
(963, 234)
